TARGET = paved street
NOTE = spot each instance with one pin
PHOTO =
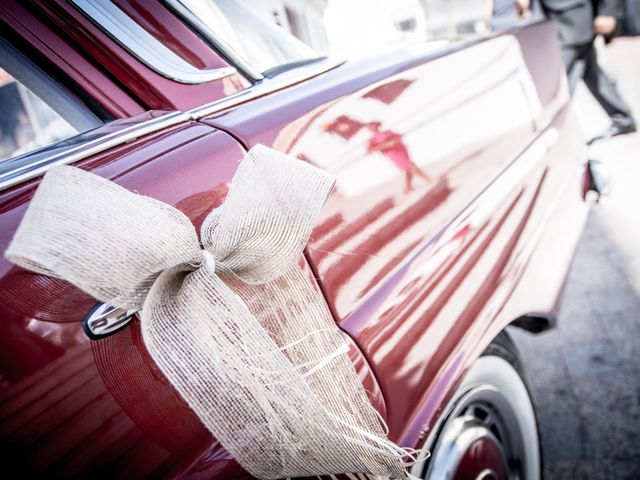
(585, 375)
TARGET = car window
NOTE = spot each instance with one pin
(240, 30)
(149, 32)
(456, 20)
(26, 123)
(35, 110)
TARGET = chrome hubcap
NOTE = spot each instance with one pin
(480, 440)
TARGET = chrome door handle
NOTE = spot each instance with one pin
(104, 320)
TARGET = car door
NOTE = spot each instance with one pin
(69, 406)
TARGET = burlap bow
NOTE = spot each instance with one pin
(234, 324)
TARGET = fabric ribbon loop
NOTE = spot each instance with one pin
(107, 241)
(263, 226)
(234, 325)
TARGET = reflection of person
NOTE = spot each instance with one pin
(11, 109)
(579, 21)
(390, 144)
(23, 132)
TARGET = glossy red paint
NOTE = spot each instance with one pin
(70, 399)
(76, 402)
(431, 228)
(444, 227)
(163, 25)
(482, 461)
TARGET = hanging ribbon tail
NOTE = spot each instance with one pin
(237, 328)
(239, 382)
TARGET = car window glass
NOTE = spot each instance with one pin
(35, 109)
(262, 45)
(356, 28)
(27, 122)
(158, 39)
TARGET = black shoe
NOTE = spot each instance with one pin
(614, 129)
(618, 129)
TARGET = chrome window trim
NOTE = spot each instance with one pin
(142, 45)
(33, 164)
(213, 39)
(266, 87)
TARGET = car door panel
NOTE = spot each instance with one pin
(68, 404)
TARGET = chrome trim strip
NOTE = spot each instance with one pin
(142, 45)
(26, 170)
(214, 40)
(19, 169)
(279, 82)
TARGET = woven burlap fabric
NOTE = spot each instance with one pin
(230, 319)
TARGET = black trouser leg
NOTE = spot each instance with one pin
(604, 90)
(575, 65)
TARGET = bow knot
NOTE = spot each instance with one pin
(209, 260)
(235, 325)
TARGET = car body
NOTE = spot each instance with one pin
(457, 208)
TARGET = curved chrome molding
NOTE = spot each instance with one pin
(137, 41)
(25, 167)
(214, 40)
(266, 87)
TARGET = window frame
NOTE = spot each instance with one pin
(67, 105)
(138, 42)
(17, 170)
(217, 43)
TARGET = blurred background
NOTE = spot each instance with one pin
(584, 374)
(352, 28)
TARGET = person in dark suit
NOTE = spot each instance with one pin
(631, 23)
(579, 21)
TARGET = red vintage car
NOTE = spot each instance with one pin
(458, 204)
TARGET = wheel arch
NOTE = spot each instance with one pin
(501, 346)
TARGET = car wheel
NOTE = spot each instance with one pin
(489, 431)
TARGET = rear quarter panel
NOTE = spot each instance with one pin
(439, 209)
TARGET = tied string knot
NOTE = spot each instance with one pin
(235, 325)
(209, 259)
